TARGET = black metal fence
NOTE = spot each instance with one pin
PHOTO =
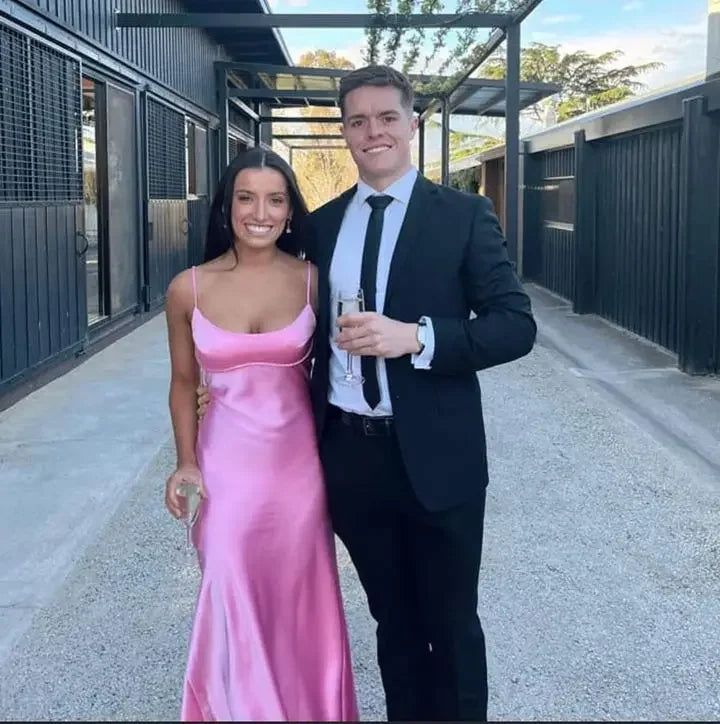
(622, 217)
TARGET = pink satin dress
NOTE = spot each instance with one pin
(269, 640)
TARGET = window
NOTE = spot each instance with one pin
(166, 152)
(196, 155)
(40, 121)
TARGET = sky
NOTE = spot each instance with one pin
(671, 31)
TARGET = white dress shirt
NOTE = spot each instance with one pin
(345, 275)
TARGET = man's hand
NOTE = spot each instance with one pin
(371, 334)
(203, 400)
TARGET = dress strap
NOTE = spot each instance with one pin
(194, 285)
(309, 280)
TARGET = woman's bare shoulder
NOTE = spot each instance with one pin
(180, 289)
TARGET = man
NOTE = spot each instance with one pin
(404, 451)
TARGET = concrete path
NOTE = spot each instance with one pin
(600, 589)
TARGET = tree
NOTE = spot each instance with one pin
(322, 174)
(587, 81)
(442, 51)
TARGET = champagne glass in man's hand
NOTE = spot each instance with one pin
(350, 302)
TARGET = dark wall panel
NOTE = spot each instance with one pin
(19, 310)
(29, 242)
(53, 277)
(558, 260)
(549, 217)
(198, 215)
(7, 316)
(168, 254)
(638, 232)
(39, 284)
(162, 52)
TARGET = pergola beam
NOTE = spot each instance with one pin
(270, 93)
(308, 137)
(317, 148)
(512, 144)
(313, 20)
(294, 94)
(300, 119)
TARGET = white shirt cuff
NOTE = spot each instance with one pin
(423, 361)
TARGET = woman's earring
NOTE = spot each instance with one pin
(287, 228)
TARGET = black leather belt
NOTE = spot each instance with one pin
(362, 424)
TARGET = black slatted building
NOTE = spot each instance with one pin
(108, 150)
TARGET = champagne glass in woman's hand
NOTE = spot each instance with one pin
(183, 494)
(350, 302)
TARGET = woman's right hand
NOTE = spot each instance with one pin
(174, 501)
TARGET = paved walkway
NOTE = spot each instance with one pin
(600, 589)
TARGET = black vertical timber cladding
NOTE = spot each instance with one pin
(39, 275)
(699, 258)
(583, 295)
(168, 247)
(162, 52)
(198, 217)
(532, 220)
(638, 191)
(8, 366)
(551, 239)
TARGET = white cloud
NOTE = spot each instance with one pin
(543, 36)
(681, 49)
(276, 5)
(560, 19)
(633, 5)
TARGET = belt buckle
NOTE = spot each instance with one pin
(376, 427)
(369, 429)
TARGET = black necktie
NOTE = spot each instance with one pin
(368, 283)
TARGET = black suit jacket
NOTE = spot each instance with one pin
(450, 260)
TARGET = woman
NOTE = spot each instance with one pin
(269, 640)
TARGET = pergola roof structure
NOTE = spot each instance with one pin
(264, 86)
(279, 87)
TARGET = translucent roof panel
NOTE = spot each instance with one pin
(285, 81)
(487, 97)
(312, 143)
(279, 87)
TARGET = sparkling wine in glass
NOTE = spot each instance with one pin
(350, 302)
(191, 493)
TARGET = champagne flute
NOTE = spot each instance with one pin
(191, 493)
(350, 302)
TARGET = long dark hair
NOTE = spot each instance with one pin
(220, 236)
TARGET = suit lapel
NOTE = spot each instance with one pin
(409, 234)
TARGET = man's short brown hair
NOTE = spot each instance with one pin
(380, 76)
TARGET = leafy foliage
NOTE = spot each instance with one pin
(451, 51)
(323, 173)
(587, 81)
